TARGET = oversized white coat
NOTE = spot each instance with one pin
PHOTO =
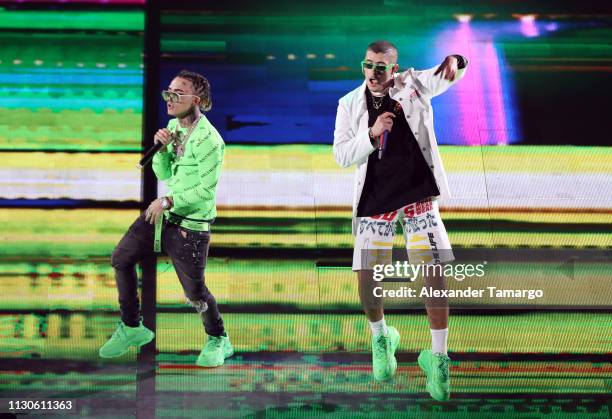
(413, 90)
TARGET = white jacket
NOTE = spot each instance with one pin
(413, 90)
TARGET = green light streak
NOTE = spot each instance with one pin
(72, 20)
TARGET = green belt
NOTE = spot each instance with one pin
(175, 219)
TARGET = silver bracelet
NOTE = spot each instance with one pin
(370, 134)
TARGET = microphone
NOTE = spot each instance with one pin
(382, 144)
(146, 159)
(382, 140)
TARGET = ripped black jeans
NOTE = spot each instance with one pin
(188, 251)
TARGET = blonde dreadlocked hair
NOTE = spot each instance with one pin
(201, 87)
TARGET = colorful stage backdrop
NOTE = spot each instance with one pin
(524, 139)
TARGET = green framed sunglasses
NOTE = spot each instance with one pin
(377, 67)
(173, 97)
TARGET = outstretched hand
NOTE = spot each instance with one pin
(448, 69)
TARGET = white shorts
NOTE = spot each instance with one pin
(424, 234)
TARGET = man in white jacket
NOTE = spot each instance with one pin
(385, 128)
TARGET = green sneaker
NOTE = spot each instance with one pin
(435, 367)
(384, 363)
(124, 337)
(214, 353)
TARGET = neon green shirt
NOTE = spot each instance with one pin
(192, 179)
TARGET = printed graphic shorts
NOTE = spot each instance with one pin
(424, 234)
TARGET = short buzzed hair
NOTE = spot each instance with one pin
(385, 47)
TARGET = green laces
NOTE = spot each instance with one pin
(443, 366)
(381, 346)
(214, 342)
(120, 333)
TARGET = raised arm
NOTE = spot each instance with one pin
(162, 164)
(439, 79)
(162, 160)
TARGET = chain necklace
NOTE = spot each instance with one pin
(178, 144)
(377, 103)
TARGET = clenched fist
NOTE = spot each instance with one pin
(383, 123)
(163, 136)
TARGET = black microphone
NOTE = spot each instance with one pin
(146, 159)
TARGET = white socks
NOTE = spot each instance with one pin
(439, 338)
(379, 327)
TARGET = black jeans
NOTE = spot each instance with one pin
(188, 251)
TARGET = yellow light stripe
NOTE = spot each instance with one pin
(383, 244)
(309, 158)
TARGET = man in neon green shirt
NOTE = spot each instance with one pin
(190, 162)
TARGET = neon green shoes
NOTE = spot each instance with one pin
(435, 367)
(215, 351)
(124, 337)
(384, 363)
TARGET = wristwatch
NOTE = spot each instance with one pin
(165, 203)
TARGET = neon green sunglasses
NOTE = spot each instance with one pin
(377, 67)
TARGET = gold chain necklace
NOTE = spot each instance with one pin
(179, 145)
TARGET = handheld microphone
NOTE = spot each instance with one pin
(382, 144)
(146, 159)
(382, 141)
